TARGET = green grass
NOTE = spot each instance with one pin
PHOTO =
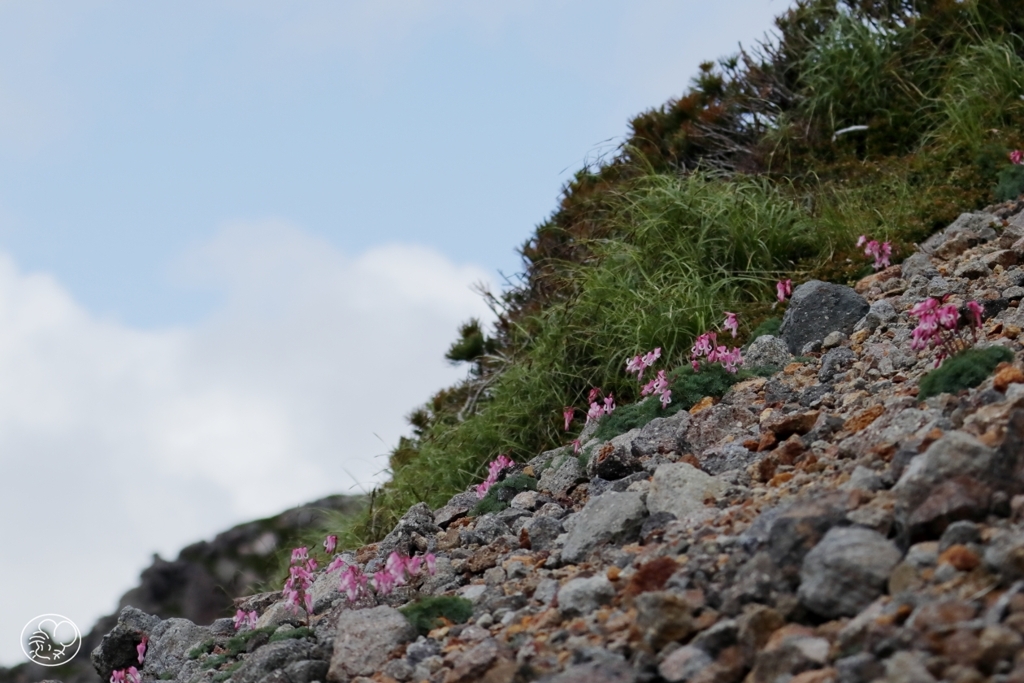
(425, 614)
(963, 371)
(237, 644)
(203, 648)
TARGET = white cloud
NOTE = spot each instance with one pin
(116, 442)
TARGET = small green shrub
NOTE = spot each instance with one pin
(493, 502)
(688, 387)
(770, 326)
(238, 643)
(425, 613)
(201, 649)
(214, 661)
(226, 673)
(300, 632)
(963, 371)
(1011, 183)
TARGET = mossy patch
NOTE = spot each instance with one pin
(201, 649)
(301, 632)
(770, 326)
(425, 614)
(503, 491)
(226, 673)
(963, 371)
(238, 643)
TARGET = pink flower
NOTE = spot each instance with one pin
(132, 675)
(731, 323)
(595, 393)
(353, 582)
(251, 618)
(337, 563)
(141, 649)
(330, 543)
(635, 364)
(948, 316)
(383, 582)
(500, 463)
(1017, 157)
(311, 564)
(412, 565)
(783, 289)
(924, 307)
(731, 359)
(576, 445)
(308, 600)
(666, 398)
(880, 252)
(431, 563)
(975, 308)
(299, 554)
(117, 676)
(239, 619)
(567, 414)
(594, 413)
(861, 240)
(609, 404)
(395, 566)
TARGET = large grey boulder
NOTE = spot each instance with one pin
(610, 518)
(270, 658)
(418, 521)
(681, 488)
(818, 308)
(562, 475)
(117, 649)
(364, 640)
(846, 571)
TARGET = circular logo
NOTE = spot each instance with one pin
(51, 640)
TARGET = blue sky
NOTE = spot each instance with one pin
(237, 237)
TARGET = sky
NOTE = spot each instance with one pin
(237, 237)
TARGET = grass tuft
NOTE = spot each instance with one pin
(963, 371)
(426, 614)
(499, 495)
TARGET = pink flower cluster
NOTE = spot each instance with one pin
(657, 386)
(247, 619)
(707, 346)
(502, 462)
(596, 409)
(880, 252)
(397, 570)
(938, 326)
(783, 290)
(300, 580)
(1017, 157)
(129, 675)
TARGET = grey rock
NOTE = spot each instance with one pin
(720, 636)
(418, 521)
(611, 518)
(918, 263)
(906, 667)
(488, 529)
(525, 500)
(270, 658)
(583, 596)
(776, 391)
(281, 613)
(938, 287)
(959, 533)
(793, 655)
(797, 528)
(541, 532)
(680, 488)
(833, 339)
(846, 571)
(1004, 556)
(326, 587)
(713, 425)
(881, 312)
(307, 671)
(117, 649)
(813, 346)
(726, 457)
(818, 308)
(399, 669)
(663, 617)
(563, 475)
(546, 591)
(835, 361)
(662, 435)
(972, 269)
(965, 224)
(684, 663)
(169, 644)
(364, 640)
(459, 505)
(615, 459)
(598, 485)
(422, 648)
(859, 668)
(767, 350)
(1013, 293)
(595, 672)
(864, 479)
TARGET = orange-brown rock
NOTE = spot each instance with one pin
(863, 418)
(961, 557)
(1006, 375)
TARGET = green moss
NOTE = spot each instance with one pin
(301, 632)
(202, 648)
(226, 673)
(963, 371)
(770, 326)
(167, 676)
(1011, 183)
(424, 614)
(238, 643)
(214, 661)
(501, 492)
(688, 387)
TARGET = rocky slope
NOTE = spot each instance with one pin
(202, 582)
(821, 524)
